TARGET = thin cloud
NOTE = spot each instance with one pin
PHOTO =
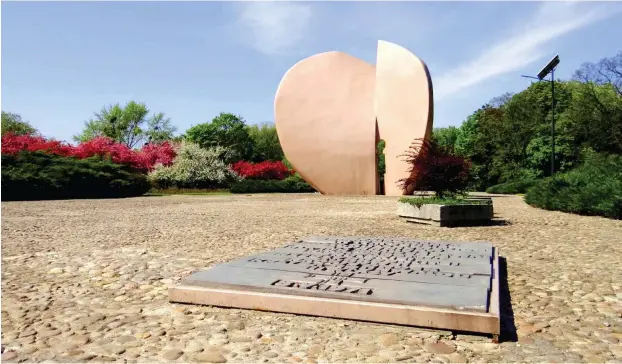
(274, 28)
(552, 20)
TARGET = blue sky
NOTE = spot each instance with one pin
(63, 61)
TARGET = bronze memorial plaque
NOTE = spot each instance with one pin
(439, 284)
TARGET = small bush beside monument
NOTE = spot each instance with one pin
(435, 168)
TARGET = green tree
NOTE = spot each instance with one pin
(472, 143)
(225, 130)
(445, 137)
(596, 112)
(266, 145)
(13, 123)
(381, 165)
(129, 125)
(509, 139)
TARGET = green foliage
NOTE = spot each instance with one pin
(41, 176)
(593, 188)
(195, 167)
(511, 188)
(446, 137)
(509, 139)
(293, 184)
(287, 164)
(420, 201)
(594, 118)
(13, 123)
(472, 143)
(381, 161)
(129, 125)
(266, 145)
(227, 131)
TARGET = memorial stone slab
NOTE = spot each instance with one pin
(450, 285)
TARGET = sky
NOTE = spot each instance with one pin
(63, 61)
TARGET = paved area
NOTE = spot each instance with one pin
(86, 280)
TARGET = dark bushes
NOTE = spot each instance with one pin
(511, 188)
(293, 184)
(41, 176)
(594, 188)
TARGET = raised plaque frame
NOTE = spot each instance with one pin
(279, 288)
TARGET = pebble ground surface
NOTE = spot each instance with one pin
(86, 280)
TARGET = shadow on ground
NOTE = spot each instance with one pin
(508, 327)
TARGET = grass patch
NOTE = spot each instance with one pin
(419, 201)
(186, 191)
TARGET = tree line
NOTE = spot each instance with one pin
(132, 125)
(509, 138)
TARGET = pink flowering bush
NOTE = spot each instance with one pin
(266, 170)
(145, 159)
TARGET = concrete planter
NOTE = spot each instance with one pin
(447, 215)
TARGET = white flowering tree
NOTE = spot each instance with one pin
(195, 167)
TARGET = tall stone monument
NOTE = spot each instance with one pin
(331, 109)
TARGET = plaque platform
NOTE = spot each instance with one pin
(437, 284)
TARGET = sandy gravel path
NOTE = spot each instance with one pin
(85, 280)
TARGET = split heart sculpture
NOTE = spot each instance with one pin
(331, 109)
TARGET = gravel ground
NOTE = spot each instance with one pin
(86, 280)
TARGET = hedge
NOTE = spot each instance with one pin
(293, 184)
(511, 188)
(41, 176)
(594, 188)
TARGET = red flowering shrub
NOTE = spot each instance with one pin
(145, 159)
(106, 147)
(434, 168)
(262, 170)
(154, 154)
(13, 144)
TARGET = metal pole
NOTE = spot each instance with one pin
(553, 122)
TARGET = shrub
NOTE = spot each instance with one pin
(593, 188)
(194, 167)
(511, 188)
(40, 176)
(154, 154)
(145, 159)
(293, 184)
(266, 170)
(433, 168)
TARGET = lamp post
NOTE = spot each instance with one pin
(550, 68)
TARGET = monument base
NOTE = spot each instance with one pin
(455, 287)
(447, 215)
